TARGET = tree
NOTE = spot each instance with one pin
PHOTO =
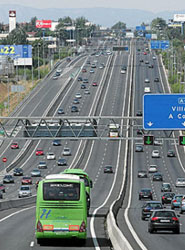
(119, 26)
(158, 23)
(16, 36)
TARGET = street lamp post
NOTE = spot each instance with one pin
(7, 69)
(38, 63)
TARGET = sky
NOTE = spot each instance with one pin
(149, 5)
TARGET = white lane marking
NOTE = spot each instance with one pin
(10, 215)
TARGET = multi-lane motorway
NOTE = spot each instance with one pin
(116, 94)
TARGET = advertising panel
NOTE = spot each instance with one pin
(179, 18)
(43, 24)
(12, 13)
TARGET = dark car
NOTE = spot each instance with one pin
(56, 142)
(62, 162)
(149, 207)
(167, 198)
(60, 111)
(124, 67)
(139, 131)
(139, 113)
(85, 80)
(74, 109)
(108, 169)
(166, 187)
(2, 187)
(156, 79)
(83, 86)
(57, 73)
(145, 193)
(164, 220)
(76, 101)
(141, 60)
(18, 172)
(157, 177)
(8, 179)
(171, 153)
(80, 79)
(151, 66)
(139, 148)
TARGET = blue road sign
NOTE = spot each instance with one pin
(16, 51)
(160, 44)
(148, 36)
(140, 28)
(164, 111)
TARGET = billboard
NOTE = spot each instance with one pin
(179, 18)
(12, 13)
(43, 23)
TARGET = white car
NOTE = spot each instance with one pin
(180, 182)
(158, 143)
(66, 152)
(24, 191)
(154, 58)
(155, 154)
(152, 169)
(86, 92)
(147, 90)
(78, 95)
(147, 80)
(50, 156)
(123, 71)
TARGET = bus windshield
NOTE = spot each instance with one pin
(61, 191)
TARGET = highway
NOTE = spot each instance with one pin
(116, 94)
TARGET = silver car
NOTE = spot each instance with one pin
(152, 169)
(155, 154)
(66, 152)
(180, 182)
(24, 191)
(35, 172)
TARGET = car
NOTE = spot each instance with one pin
(68, 59)
(88, 62)
(139, 132)
(57, 74)
(50, 156)
(147, 90)
(154, 58)
(182, 206)
(180, 182)
(176, 201)
(79, 79)
(158, 143)
(167, 197)
(66, 152)
(150, 66)
(85, 80)
(1, 195)
(164, 219)
(18, 172)
(14, 145)
(24, 191)
(156, 79)
(60, 111)
(170, 153)
(94, 84)
(8, 179)
(157, 177)
(149, 207)
(145, 193)
(142, 174)
(84, 70)
(83, 86)
(86, 92)
(166, 187)
(91, 71)
(108, 169)
(59, 70)
(39, 151)
(123, 71)
(139, 148)
(42, 165)
(74, 109)
(147, 80)
(26, 180)
(78, 95)
(152, 169)
(155, 154)
(55, 77)
(101, 66)
(62, 162)
(93, 65)
(144, 53)
(139, 113)
(124, 67)
(2, 188)
(35, 173)
(146, 62)
(141, 60)
(56, 142)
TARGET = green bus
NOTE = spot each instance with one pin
(84, 176)
(61, 208)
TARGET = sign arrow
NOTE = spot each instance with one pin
(150, 124)
(183, 141)
(148, 141)
(183, 124)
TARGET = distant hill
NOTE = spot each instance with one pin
(104, 16)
